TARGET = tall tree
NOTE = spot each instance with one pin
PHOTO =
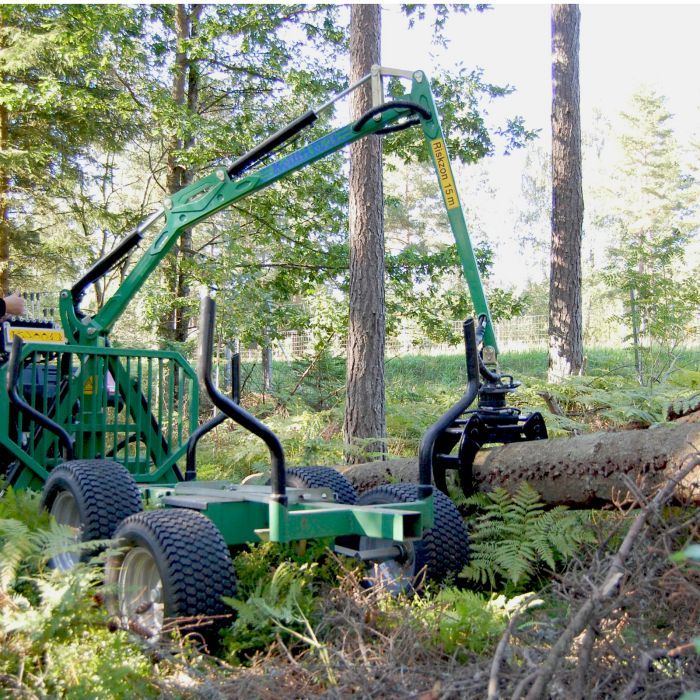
(54, 111)
(365, 418)
(652, 218)
(185, 98)
(224, 93)
(565, 315)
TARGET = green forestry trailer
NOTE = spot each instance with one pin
(109, 435)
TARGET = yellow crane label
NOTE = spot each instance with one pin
(444, 171)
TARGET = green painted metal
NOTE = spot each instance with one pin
(198, 202)
(432, 130)
(217, 191)
(117, 403)
(244, 521)
(246, 513)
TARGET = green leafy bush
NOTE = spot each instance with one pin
(277, 596)
(462, 619)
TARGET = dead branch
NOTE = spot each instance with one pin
(588, 612)
(646, 660)
(493, 692)
(555, 408)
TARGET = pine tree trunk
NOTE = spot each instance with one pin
(185, 92)
(4, 195)
(634, 316)
(267, 369)
(565, 317)
(365, 420)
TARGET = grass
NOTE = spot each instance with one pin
(309, 417)
(418, 373)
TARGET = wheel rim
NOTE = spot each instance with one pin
(395, 575)
(140, 593)
(66, 512)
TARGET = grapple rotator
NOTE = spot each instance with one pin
(454, 440)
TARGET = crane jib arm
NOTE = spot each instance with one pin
(224, 186)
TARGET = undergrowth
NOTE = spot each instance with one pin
(421, 388)
(305, 611)
(54, 638)
(283, 597)
(277, 597)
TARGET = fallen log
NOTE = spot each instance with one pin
(584, 471)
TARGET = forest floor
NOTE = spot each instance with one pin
(636, 642)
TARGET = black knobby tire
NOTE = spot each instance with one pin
(443, 550)
(193, 563)
(323, 477)
(104, 493)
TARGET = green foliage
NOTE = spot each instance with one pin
(23, 506)
(460, 94)
(461, 619)
(458, 622)
(652, 217)
(280, 604)
(277, 589)
(308, 438)
(605, 400)
(53, 638)
(419, 389)
(321, 379)
(67, 114)
(425, 282)
(513, 538)
(690, 556)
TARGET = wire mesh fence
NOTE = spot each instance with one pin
(514, 335)
(529, 332)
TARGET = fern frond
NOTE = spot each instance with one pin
(514, 536)
(17, 546)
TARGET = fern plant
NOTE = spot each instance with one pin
(514, 537)
(281, 604)
(53, 638)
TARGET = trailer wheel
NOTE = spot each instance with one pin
(323, 477)
(92, 496)
(172, 570)
(443, 551)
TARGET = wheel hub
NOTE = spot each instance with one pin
(65, 510)
(396, 573)
(140, 593)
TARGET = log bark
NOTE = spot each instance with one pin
(584, 471)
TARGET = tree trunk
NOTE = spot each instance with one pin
(267, 368)
(365, 420)
(4, 213)
(583, 471)
(185, 92)
(4, 195)
(634, 317)
(565, 318)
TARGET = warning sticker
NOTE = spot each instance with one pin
(447, 182)
(42, 335)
